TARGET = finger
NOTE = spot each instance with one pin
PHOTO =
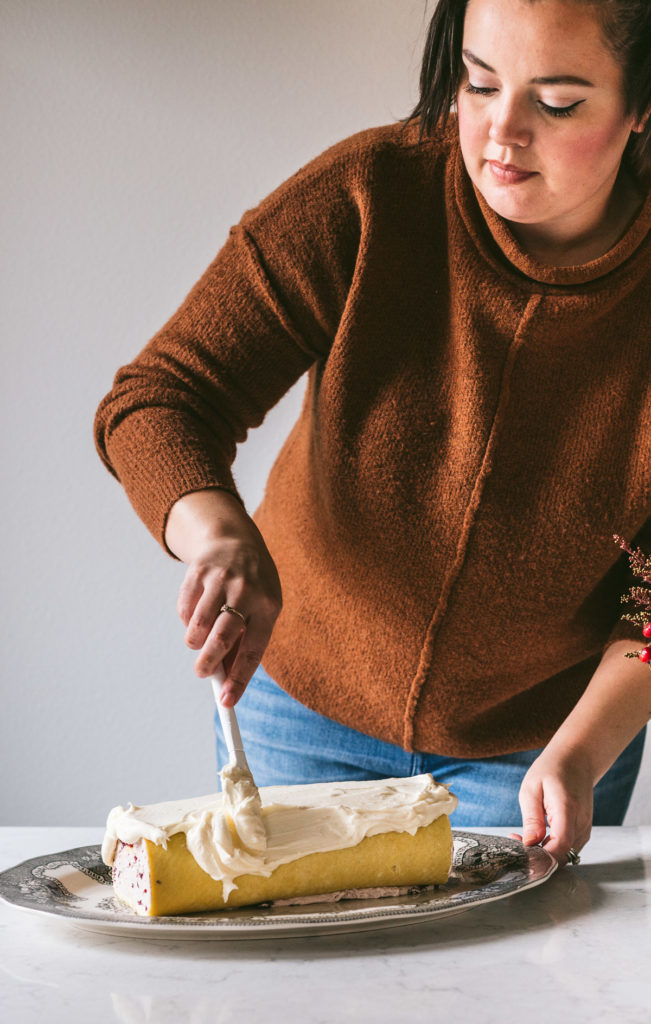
(560, 852)
(566, 835)
(561, 815)
(223, 636)
(190, 593)
(252, 645)
(583, 838)
(204, 618)
(533, 815)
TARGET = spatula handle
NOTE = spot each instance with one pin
(228, 720)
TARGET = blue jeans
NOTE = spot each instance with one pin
(287, 743)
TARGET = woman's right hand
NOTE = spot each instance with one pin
(228, 563)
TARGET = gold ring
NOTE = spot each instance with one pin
(573, 856)
(233, 611)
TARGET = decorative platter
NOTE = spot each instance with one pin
(75, 885)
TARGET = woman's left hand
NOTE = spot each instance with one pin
(559, 784)
(560, 790)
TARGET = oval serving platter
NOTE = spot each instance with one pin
(75, 885)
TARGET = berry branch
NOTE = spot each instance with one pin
(639, 595)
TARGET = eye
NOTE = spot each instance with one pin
(560, 111)
(477, 90)
(483, 90)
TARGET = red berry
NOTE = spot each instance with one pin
(645, 654)
(647, 629)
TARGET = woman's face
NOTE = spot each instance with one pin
(542, 119)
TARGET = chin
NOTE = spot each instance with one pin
(510, 204)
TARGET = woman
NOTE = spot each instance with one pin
(469, 296)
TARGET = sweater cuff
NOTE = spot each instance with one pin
(158, 457)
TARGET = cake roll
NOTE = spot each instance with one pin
(188, 856)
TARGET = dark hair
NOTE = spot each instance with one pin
(627, 29)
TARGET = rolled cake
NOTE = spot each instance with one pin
(188, 856)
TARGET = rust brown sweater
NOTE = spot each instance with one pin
(476, 427)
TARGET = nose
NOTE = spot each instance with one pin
(509, 123)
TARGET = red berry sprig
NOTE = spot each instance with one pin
(641, 596)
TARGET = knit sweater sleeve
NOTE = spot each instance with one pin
(623, 629)
(263, 312)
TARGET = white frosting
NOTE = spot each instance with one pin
(298, 820)
(242, 801)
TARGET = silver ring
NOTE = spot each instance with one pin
(572, 856)
(233, 611)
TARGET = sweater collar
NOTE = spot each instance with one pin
(492, 235)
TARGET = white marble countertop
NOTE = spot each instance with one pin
(575, 949)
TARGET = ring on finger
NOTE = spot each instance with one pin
(233, 611)
(572, 856)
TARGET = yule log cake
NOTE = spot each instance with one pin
(188, 856)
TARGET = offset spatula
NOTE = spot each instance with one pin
(229, 725)
(241, 795)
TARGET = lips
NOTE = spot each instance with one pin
(509, 174)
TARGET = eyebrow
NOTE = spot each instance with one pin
(540, 80)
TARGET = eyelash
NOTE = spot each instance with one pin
(476, 90)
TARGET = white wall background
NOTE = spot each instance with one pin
(135, 132)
